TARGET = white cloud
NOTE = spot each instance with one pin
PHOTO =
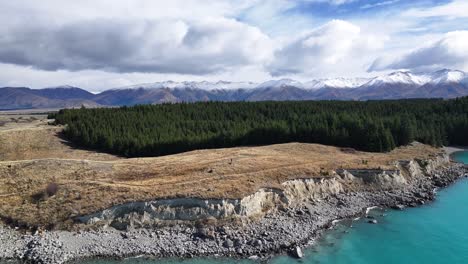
(98, 44)
(335, 46)
(379, 4)
(340, 2)
(61, 11)
(451, 51)
(177, 36)
(332, 2)
(454, 9)
(175, 46)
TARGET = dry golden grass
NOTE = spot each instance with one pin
(24, 137)
(89, 182)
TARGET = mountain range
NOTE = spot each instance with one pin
(397, 85)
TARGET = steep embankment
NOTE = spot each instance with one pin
(292, 193)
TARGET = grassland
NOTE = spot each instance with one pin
(33, 156)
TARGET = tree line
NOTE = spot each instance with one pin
(377, 126)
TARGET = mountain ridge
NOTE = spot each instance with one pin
(402, 77)
(443, 83)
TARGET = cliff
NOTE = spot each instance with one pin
(293, 193)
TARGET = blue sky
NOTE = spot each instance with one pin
(316, 12)
(55, 42)
(351, 9)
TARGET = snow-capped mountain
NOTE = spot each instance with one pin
(443, 76)
(280, 84)
(205, 85)
(447, 76)
(342, 83)
(400, 78)
(395, 78)
(397, 85)
(404, 84)
(224, 85)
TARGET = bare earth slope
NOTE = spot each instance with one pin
(33, 156)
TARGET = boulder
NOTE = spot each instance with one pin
(296, 252)
(238, 242)
(228, 243)
(205, 232)
(257, 243)
(398, 207)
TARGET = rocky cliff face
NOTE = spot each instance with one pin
(293, 193)
(297, 191)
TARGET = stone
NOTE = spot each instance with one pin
(297, 252)
(228, 243)
(238, 242)
(398, 207)
(257, 243)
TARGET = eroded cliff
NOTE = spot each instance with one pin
(292, 193)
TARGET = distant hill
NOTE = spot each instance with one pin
(26, 98)
(64, 93)
(397, 85)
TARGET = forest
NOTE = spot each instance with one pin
(376, 126)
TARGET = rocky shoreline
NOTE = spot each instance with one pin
(279, 231)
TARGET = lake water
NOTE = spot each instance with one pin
(434, 233)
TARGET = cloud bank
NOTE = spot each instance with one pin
(176, 46)
(105, 43)
(451, 51)
(330, 46)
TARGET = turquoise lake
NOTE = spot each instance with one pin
(434, 233)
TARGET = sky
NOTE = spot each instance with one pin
(103, 44)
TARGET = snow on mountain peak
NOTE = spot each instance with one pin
(204, 85)
(280, 83)
(61, 87)
(395, 78)
(446, 76)
(336, 83)
(399, 77)
(224, 85)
